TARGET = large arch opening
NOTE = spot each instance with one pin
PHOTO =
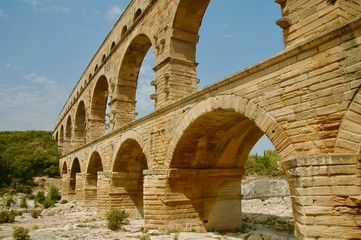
(129, 72)
(75, 168)
(127, 178)
(100, 112)
(219, 139)
(233, 28)
(145, 88)
(79, 125)
(207, 167)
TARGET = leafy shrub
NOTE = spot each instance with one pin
(21, 233)
(8, 200)
(34, 213)
(54, 194)
(7, 216)
(23, 203)
(116, 219)
(48, 203)
(40, 197)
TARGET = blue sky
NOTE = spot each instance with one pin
(45, 45)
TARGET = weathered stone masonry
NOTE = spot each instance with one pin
(180, 167)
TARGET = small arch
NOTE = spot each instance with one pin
(56, 138)
(95, 165)
(75, 168)
(64, 169)
(129, 163)
(137, 14)
(98, 108)
(61, 137)
(80, 125)
(96, 68)
(124, 30)
(90, 76)
(130, 157)
(112, 46)
(68, 130)
(104, 57)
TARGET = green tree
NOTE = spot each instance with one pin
(24, 155)
(266, 165)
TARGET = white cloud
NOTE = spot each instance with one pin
(46, 6)
(113, 13)
(34, 3)
(31, 105)
(227, 35)
(30, 76)
(14, 67)
(2, 13)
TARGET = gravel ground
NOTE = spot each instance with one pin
(263, 219)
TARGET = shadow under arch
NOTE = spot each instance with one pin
(97, 117)
(64, 169)
(207, 157)
(90, 188)
(252, 116)
(124, 100)
(126, 191)
(187, 21)
(79, 125)
(95, 165)
(74, 169)
(68, 134)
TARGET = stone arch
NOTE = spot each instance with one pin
(64, 169)
(56, 137)
(95, 164)
(124, 30)
(127, 176)
(137, 13)
(112, 46)
(125, 92)
(189, 15)
(130, 157)
(99, 101)
(61, 135)
(138, 139)
(74, 169)
(187, 21)
(211, 145)
(239, 109)
(349, 135)
(68, 133)
(79, 125)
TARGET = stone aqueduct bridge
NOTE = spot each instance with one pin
(180, 167)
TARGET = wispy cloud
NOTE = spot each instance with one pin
(113, 13)
(14, 67)
(2, 13)
(35, 102)
(47, 6)
(227, 35)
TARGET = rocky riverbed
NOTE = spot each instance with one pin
(263, 218)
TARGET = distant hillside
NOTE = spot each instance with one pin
(24, 155)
